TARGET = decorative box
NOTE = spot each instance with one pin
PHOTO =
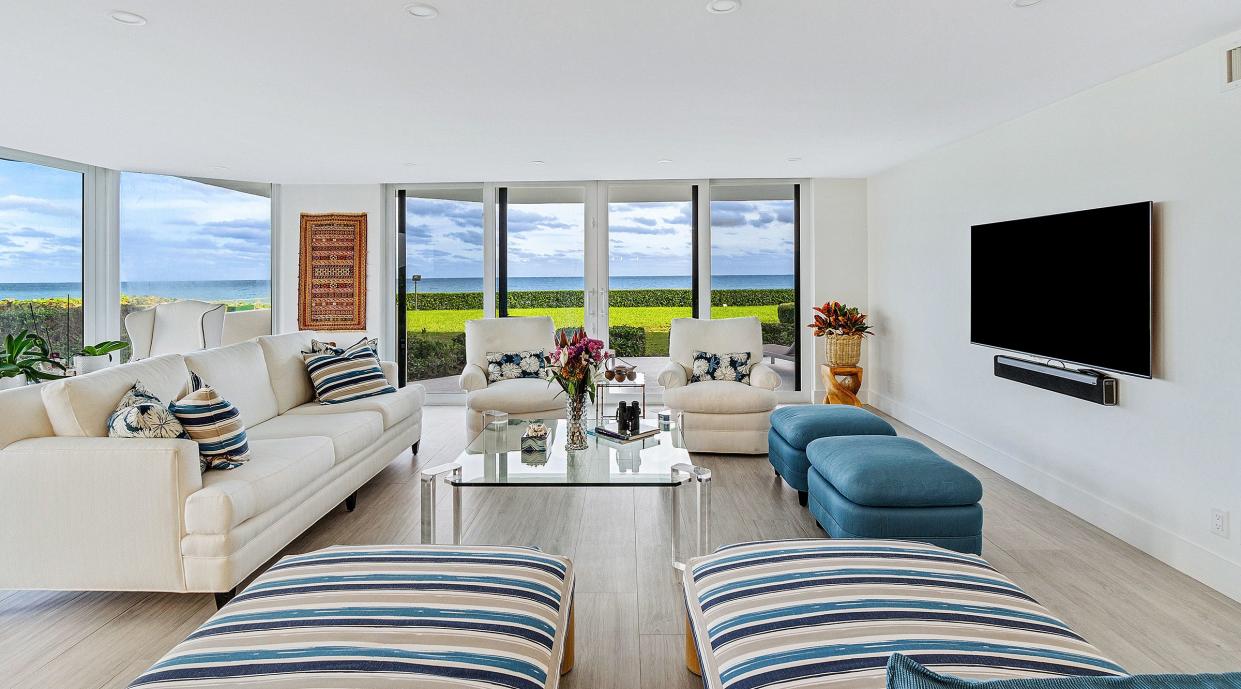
(534, 439)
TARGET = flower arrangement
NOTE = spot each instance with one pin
(843, 327)
(834, 318)
(574, 364)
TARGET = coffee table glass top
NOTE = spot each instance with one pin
(495, 458)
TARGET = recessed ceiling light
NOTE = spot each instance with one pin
(411, 164)
(128, 18)
(794, 159)
(422, 10)
(536, 162)
(723, 6)
(664, 161)
(1025, 3)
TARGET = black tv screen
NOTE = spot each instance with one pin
(1073, 287)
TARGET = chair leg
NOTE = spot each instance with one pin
(691, 650)
(414, 447)
(566, 662)
(803, 498)
(351, 502)
(223, 597)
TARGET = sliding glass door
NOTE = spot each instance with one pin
(541, 257)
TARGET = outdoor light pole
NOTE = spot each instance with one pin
(415, 278)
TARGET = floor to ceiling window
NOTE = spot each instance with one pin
(542, 260)
(650, 268)
(443, 281)
(754, 266)
(41, 221)
(188, 239)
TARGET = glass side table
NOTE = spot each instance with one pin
(603, 385)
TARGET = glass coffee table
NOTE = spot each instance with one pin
(495, 459)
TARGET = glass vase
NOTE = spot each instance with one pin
(575, 423)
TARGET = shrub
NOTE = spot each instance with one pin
(779, 333)
(786, 313)
(559, 299)
(627, 340)
(434, 357)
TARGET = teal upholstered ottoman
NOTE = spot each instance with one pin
(793, 428)
(890, 487)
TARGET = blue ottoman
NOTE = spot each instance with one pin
(793, 428)
(893, 488)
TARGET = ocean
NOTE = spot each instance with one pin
(260, 290)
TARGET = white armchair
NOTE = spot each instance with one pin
(720, 416)
(177, 327)
(521, 398)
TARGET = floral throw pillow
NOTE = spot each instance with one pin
(734, 366)
(511, 365)
(140, 414)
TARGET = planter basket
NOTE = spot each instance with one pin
(844, 350)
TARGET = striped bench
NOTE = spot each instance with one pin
(433, 617)
(829, 613)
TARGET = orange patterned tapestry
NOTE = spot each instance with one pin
(332, 277)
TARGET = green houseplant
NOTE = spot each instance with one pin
(843, 327)
(97, 356)
(23, 358)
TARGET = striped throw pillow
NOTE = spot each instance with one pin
(345, 375)
(215, 424)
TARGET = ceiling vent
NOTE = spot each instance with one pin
(1232, 75)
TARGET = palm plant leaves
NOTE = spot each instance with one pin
(23, 354)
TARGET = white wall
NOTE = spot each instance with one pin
(291, 201)
(840, 256)
(1149, 470)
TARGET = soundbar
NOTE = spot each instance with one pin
(1088, 385)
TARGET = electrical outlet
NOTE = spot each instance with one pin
(1219, 523)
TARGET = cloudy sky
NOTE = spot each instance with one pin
(171, 228)
(445, 238)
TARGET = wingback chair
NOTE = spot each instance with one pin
(720, 416)
(521, 398)
(177, 327)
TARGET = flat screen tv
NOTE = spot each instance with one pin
(1073, 287)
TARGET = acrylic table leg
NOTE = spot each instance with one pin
(702, 486)
(427, 482)
(428, 510)
(456, 506)
(704, 514)
(676, 525)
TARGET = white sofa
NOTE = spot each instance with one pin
(720, 416)
(84, 511)
(521, 398)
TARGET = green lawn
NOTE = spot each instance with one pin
(654, 319)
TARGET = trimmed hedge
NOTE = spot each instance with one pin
(786, 313)
(627, 340)
(554, 299)
(779, 333)
(433, 357)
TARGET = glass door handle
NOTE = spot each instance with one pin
(603, 301)
(590, 302)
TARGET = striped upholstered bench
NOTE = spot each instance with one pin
(829, 613)
(433, 617)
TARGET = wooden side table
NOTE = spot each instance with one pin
(843, 383)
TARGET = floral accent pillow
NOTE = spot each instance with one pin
(734, 366)
(511, 365)
(140, 414)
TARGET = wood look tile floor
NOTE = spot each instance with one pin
(1140, 612)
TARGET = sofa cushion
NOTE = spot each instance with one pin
(889, 471)
(350, 432)
(720, 397)
(798, 425)
(690, 335)
(286, 369)
(519, 396)
(239, 373)
(828, 613)
(394, 408)
(215, 424)
(24, 415)
(906, 673)
(342, 376)
(80, 406)
(734, 366)
(141, 414)
(277, 469)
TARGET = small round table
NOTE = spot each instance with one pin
(842, 391)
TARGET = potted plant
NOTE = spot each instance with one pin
(23, 358)
(843, 327)
(97, 356)
(574, 364)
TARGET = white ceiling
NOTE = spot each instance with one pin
(354, 90)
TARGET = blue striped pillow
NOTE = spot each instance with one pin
(215, 424)
(345, 375)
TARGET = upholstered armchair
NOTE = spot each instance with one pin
(177, 327)
(521, 398)
(721, 416)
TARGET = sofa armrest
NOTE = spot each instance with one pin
(673, 375)
(95, 513)
(473, 378)
(391, 372)
(764, 376)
